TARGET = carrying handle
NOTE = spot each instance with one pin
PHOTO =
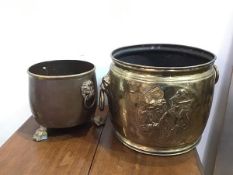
(216, 74)
(104, 90)
(88, 93)
(88, 106)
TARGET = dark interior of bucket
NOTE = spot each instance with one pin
(163, 57)
(61, 67)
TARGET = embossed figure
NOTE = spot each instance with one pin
(153, 109)
(180, 108)
(165, 117)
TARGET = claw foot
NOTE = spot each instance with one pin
(99, 120)
(40, 134)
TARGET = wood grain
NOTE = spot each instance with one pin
(67, 151)
(112, 157)
(85, 150)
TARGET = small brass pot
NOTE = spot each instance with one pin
(63, 93)
(160, 96)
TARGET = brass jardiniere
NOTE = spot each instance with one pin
(62, 93)
(160, 96)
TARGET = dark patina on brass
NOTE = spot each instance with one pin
(63, 93)
(160, 96)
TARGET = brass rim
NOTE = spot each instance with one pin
(165, 47)
(61, 76)
(154, 151)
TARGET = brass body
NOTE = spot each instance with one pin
(159, 110)
(62, 93)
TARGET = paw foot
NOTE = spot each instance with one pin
(99, 120)
(40, 134)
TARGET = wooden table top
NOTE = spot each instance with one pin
(85, 150)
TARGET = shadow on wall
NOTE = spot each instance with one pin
(218, 113)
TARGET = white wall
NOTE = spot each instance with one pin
(36, 30)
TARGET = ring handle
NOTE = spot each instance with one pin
(104, 90)
(86, 103)
(101, 100)
(88, 93)
(216, 74)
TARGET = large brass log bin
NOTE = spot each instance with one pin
(159, 96)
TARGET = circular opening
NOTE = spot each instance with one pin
(61, 68)
(163, 55)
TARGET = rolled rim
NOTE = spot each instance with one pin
(33, 74)
(163, 47)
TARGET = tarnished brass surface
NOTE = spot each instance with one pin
(63, 93)
(160, 111)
